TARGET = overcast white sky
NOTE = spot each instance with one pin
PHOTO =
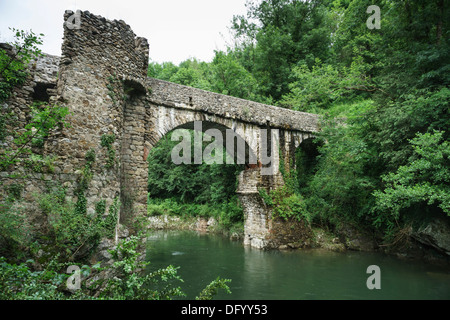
(176, 29)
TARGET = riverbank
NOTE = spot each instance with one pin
(344, 239)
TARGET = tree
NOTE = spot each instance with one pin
(231, 78)
(341, 188)
(389, 127)
(276, 35)
(315, 89)
(13, 65)
(422, 183)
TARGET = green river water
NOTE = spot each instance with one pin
(291, 275)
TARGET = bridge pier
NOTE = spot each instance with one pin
(261, 229)
(257, 221)
(257, 215)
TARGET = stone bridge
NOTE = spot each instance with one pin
(265, 130)
(102, 78)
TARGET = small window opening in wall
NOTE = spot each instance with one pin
(40, 91)
(190, 101)
(133, 88)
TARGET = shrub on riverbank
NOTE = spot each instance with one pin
(229, 215)
(125, 279)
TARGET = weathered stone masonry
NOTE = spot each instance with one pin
(102, 79)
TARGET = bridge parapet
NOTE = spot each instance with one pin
(178, 96)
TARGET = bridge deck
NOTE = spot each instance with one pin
(179, 96)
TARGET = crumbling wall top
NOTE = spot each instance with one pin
(94, 41)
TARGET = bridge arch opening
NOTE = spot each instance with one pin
(202, 189)
(306, 160)
(240, 141)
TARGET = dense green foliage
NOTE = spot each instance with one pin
(206, 190)
(422, 184)
(189, 182)
(225, 75)
(21, 282)
(72, 233)
(130, 284)
(212, 289)
(383, 94)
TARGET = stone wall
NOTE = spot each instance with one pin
(39, 86)
(257, 223)
(98, 78)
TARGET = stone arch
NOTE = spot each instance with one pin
(244, 134)
(306, 157)
(206, 124)
(310, 145)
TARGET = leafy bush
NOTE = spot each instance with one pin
(21, 282)
(322, 85)
(128, 278)
(424, 180)
(131, 282)
(212, 289)
(15, 229)
(286, 204)
(71, 233)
